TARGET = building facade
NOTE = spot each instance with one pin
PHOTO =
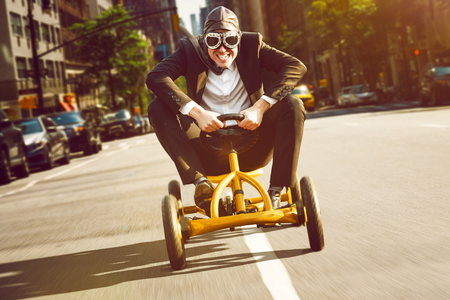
(18, 90)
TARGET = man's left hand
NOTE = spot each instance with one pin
(254, 115)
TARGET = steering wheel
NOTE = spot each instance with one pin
(229, 136)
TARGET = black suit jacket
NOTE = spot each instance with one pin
(253, 56)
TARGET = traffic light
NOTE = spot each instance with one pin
(176, 22)
(416, 52)
(47, 6)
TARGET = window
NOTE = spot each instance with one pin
(51, 71)
(27, 27)
(52, 34)
(58, 74)
(16, 24)
(37, 32)
(45, 33)
(21, 64)
(58, 36)
(62, 69)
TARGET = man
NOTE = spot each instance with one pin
(226, 77)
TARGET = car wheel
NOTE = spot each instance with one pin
(5, 171)
(23, 170)
(49, 164)
(66, 159)
(423, 100)
(88, 149)
(434, 99)
(95, 148)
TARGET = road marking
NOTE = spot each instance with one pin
(352, 124)
(70, 169)
(105, 147)
(30, 184)
(273, 272)
(114, 152)
(435, 125)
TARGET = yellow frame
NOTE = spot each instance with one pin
(265, 213)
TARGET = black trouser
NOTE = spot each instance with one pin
(280, 136)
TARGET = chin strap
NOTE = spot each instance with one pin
(201, 54)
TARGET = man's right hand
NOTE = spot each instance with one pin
(206, 120)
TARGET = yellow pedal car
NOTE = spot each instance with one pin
(301, 203)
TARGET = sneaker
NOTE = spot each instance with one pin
(204, 190)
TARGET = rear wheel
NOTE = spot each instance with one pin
(88, 148)
(434, 98)
(313, 217)
(5, 170)
(66, 159)
(23, 170)
(49, 164)
(172, 232)
(423, 101)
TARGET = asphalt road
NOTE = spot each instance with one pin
(93, 229)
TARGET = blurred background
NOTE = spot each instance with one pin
(385, 46)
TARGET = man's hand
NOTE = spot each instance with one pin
(254, 115)
(206, 120)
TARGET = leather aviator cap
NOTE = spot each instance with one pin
(221, 18)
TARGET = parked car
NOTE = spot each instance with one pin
(355, 95)
(147, 121)
(13, 153)
(434, 84)
(46, 142)
(80, 130)
(118, 124)
(305, 95)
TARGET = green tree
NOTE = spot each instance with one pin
(117, 56)
(343, 25)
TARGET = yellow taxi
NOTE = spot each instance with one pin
(305, 95)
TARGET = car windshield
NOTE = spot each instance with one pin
(301, 90)
(66, 119)
(29, 126)
(123, 114)
(441, 71)
(346, 90)
(360, 89)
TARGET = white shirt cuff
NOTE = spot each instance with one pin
(187, 108)
(271, 101)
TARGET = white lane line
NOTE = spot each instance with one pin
(435, 125)
(114, 152)
(70, 169)
(273, 272)
(30, 184)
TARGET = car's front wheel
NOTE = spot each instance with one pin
(23, 170)
(5, 170)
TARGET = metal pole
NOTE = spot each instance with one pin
(37, 75)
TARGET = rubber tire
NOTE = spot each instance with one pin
(314, 220)
(66, 159)
(88, 149)
(423, 101)
(49, 164)
(95, 148)
(172, 232)
(175, 190)
(433, 99)
(23, 170)
(5, 170)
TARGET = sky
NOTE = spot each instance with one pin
(188, 7)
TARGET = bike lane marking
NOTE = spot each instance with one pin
(273, 272)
